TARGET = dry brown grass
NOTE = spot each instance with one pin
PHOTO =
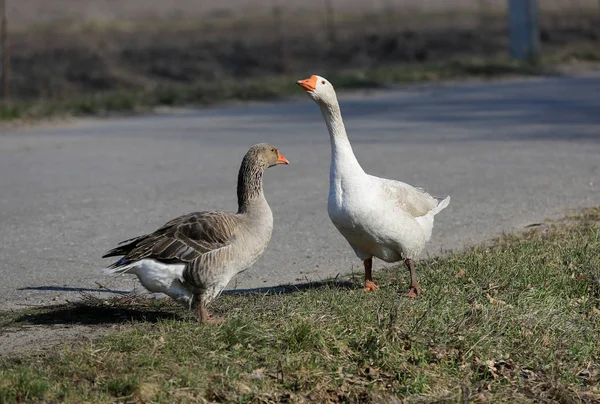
(73, 50)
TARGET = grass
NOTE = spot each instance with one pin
(204, 93)
(514, 321)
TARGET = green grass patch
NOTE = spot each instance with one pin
(204, 93)
(513, 321)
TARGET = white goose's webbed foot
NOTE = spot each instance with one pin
(370, 286)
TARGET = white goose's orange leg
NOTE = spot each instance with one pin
(414, 289)
(369, 284)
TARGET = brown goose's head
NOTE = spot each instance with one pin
(265, 155)
(258, 158)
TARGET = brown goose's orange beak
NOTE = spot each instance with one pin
(281, 159)
(308, 84)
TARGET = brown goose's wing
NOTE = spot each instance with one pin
(182, 239)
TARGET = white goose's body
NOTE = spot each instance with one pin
(374, 221)
(380, 218)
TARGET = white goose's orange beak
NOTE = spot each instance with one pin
(308, 84)
(281, 159)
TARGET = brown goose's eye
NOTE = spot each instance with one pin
(322, 81)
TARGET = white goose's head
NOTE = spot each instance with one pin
(319, 90)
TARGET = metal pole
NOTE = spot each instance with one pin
(5, 55)
(390, 18)
(330, 22)
(524, 29)
(283, 54)
(598, 24)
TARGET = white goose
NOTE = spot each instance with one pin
(380, 218)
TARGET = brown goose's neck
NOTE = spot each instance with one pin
(249, 186)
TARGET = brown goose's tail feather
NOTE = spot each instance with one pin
(124, 249)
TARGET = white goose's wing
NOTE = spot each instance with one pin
(414, 201)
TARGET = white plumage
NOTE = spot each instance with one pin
(379, 217)
(158, 277)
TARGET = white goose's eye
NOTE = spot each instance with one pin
(322, 81)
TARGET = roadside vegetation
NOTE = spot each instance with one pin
(77, 67)
(515, 320)
(206, 93)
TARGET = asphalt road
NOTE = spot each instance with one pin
(509, 153)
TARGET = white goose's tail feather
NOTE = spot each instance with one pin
(426, 221)
(441, 206)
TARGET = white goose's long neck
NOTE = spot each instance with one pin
(343, 161)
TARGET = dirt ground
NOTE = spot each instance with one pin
(34, 337)
(46, 327)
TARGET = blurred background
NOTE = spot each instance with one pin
(179, 51)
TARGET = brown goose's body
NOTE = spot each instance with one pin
(193, 257)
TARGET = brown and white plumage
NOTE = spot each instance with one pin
(193, 257)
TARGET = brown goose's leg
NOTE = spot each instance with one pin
(204, 316)
(414, 289)
(369, 284)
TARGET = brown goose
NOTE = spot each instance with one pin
(193, 257)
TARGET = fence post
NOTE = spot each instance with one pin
(330, 22)
(390, 17)
(5, 55)
(524, 29)
(483, 11)
(282, 44)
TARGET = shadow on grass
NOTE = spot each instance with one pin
(93, 310)
(300, 287)
(69, 289)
